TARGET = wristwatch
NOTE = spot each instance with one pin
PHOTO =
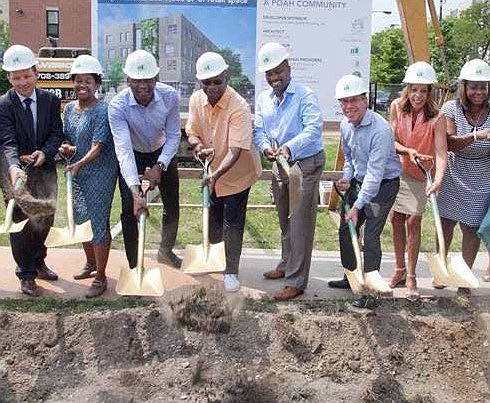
(161, 165)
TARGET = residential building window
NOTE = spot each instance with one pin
(171, 65)
(111, 54)
(172, 29)
(127, 36)
(52, 23)
(108, 38)
(169, 48)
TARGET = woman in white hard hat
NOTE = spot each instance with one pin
(464, 197)
(420, 132)
(93, 164)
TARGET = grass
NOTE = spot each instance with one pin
(261, 228)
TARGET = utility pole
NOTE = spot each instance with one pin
(440, 10)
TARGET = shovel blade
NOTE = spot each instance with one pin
(438, 269)
(140, 281)
(196, 262)
(63, 236)
(376, 283)
(460, 275)
(295, 187)
(13, 227)
(356, 280)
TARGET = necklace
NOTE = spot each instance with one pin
(474, 122)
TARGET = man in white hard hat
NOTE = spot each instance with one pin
(145, 123)
(220, 119)
(288, 122)
(30, 134)
(370, 178)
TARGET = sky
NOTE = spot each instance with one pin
(381, 21)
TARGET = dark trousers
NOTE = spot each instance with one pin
(373, 215)
(227, 223)
(27, 245)
(169, 192)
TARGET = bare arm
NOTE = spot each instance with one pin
(458, 142)
(440, 151)
(91, 155)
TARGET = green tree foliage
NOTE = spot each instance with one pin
(115, 75)
(472, 32)
(388, 56)
(149, 36)
(238, 81)
(4, 44)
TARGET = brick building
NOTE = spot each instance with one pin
(47, 22)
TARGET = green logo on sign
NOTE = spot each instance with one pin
(141, 67)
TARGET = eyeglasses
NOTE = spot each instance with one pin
(214, 81)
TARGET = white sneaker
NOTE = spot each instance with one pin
(231, 283)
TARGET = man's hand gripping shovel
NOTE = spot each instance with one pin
(451, 271)
(72, 233)
(140, 280)
(9, 226)
(205, 258)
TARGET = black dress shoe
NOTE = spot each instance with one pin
(45, 273)
(367, 302)
(169, 258)
(344, 283)
(29, 287)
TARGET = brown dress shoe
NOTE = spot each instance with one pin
(97, 288)
(288, 293)
(274, 274)
(88, 271)
(169, 258)
(29, 287)
(45, 273)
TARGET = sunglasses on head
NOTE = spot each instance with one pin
(214, 81)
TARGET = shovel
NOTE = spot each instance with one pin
(73, 233)
(446, 270)
(205, 258)
(9, 226)
(139, 280)
(295, 178)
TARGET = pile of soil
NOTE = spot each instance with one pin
(210, 347)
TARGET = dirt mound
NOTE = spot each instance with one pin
(209, 347)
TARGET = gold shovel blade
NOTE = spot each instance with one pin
(376, 283)
(295, 187)
(438, 269)
(460, 275)
(196, 262)
(356, 280)
(63, 236)
(13, 227)
(140, 281)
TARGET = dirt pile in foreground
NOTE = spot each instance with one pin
(207, 347)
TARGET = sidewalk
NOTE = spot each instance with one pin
(325, 266)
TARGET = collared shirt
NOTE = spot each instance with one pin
(296, 122)
(144, 128)
(370, 156)
(33, 106)
(228, 124)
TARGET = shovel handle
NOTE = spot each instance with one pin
(284, 164)
(69, 203)
(141, 240)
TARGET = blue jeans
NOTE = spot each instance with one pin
(227, 223)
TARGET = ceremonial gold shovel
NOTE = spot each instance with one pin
(9, 226)
(72, 233)
(139, 280)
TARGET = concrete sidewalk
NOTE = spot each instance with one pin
(324, 266)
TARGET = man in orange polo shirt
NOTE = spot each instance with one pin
(220, 118)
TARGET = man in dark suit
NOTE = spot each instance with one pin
(30, 134)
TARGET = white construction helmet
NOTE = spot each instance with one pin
(350, 86)
(86, 64)
(141, 65)
(475, 70)
(209, 65)
(271, 55)
(420, 73)
(18, 57)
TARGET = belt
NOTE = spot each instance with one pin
(383, 181)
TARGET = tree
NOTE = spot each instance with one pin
(4, 44)
(388, 56)
(238, 81)
(115, 75)
(149, 36)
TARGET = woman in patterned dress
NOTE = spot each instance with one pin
(464, 197)
(93, 165)
(420, 130)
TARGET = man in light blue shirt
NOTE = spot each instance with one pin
(145, 123)
(288, 122)
(370, 179)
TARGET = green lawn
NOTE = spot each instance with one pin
(262, 229)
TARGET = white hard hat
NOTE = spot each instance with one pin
(475, 70)
(86, 64)
(350, 86)
(18, 57)
(271, 55)
(141, 65)
(420, 73)
(209, 65)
